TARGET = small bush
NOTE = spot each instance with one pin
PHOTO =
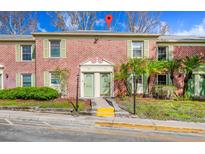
(36, 93)
(164, 92)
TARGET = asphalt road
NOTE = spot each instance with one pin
(57, 131)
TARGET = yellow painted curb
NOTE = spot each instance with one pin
(150, 127)
(105, 112)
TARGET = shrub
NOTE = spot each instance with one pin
(36, 93)
(164, 91)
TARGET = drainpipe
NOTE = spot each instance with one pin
(35, 69)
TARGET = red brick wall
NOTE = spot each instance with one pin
(78, 51)
(152, 49)
(11, 67)
(183, 51)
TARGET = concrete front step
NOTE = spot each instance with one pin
(102, 108)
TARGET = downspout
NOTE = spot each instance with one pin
(35, 65)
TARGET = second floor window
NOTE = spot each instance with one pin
(26, 52)
(54, 48)
(137, 49)
(162, 53)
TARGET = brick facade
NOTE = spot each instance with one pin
(78, 50)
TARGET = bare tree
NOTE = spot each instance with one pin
(18, 22)
(164, 28)
(143, 22)
(74, 20)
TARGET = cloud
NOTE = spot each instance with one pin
(100, 22)
(40, 28)
(198, 30)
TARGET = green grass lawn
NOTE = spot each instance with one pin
(167, 109)
(43, 104)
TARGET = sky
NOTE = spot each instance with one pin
(180, 23)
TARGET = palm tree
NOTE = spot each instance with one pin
(133, 66)
(174, 66)
(188, 65)
(154, 67)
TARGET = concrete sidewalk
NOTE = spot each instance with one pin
(114, 122)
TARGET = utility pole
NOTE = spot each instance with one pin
(77, 106)
(134, 97)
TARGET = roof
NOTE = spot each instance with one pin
(94, 33)
(160, 38)
(16, 38)
(177, 38)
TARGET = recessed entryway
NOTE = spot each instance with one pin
(96, 77)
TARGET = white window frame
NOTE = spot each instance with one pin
(52, 85)
(166, 79)
(22, 52)
(167, 50)
(49, 48)
(27, 74)
(142, 50)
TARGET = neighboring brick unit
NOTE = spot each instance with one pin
(11, 67)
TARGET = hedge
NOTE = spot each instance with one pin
(36, 93)
(164, 91)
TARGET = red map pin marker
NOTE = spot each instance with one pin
(108, 19)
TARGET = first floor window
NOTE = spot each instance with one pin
(26, 52)
(137, 49)
(55, 78)
(55, 48)
(161, 79)
(26, 80)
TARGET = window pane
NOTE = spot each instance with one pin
(137, 48)
(140, 79)
(55, 78)
(26, 80)
(162, 79)
(26, 52)
(55, 48)
(162, 54)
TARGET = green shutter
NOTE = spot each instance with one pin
(46, 79)
(170, 52)
(45, 48)
(63, 48)
(18, 80)
(18, 52)
(145, 84)
(146, 49)
(33, 50)
(33, 80)
(129, 48)
(168, 80)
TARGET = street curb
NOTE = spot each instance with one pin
(150, 127)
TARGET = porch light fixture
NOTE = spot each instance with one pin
(7, 76)
(96, 40)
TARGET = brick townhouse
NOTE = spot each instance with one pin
(31, 60)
